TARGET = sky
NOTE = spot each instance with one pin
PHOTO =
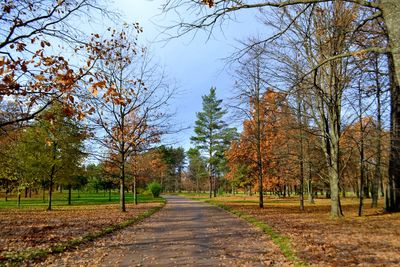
(194, 64)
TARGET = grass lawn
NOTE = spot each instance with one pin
(61, 199)
(318, 239)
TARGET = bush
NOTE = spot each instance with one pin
(154, 188)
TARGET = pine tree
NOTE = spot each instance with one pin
(209, 133)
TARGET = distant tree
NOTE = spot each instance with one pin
(51, 148)
(197, 168)
(174, 158)
(209, 132)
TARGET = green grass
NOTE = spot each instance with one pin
(16, 258)
(283, 242)
(61, 199)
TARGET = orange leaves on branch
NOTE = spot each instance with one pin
(210, 3)
(94, 87)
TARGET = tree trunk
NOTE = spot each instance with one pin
(109, 194)
(309, 186)
(50, 191)
(301, 153)
(134, 191)
(210, 185)
(69, 194)
(334, 177)
(391, 10)
(377, 175)
(392, 196)
(361, 150)
(19, 198)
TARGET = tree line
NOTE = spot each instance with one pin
(336, 62)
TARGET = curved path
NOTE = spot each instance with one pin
(183, 233)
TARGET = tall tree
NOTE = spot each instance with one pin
(250, 86)
(130, 97)
(209, 128)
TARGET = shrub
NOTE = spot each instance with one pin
(154, 188)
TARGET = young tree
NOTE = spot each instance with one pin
(130, 108)
(250, 86)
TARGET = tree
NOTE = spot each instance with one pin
(174, 159)
(130, 106)
(197, 170)
(51, 148)
(34, 70)
(209, 129)
(251, 85)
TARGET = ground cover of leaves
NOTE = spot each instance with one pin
(370, 240)
(22, 229)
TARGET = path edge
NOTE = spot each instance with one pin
(283, 242)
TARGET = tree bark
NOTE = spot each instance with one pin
(50, 189)
(391, 12)
(134, 190)
(377, 175)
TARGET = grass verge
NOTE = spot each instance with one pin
(14, 258)
(283, 242)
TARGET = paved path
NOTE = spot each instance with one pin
(183, 233)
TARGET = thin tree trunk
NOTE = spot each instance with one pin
(377, 175)
(50, 190)
(19, 198)
(301, 152)
(362, 167)
(134, 190)
(69, 194)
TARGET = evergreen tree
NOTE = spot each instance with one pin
(210, 130)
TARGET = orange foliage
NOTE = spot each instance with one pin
(278, 159)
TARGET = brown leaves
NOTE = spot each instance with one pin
(94, 87)
(38, 229)
(210, 3)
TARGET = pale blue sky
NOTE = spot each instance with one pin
(194, 63)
